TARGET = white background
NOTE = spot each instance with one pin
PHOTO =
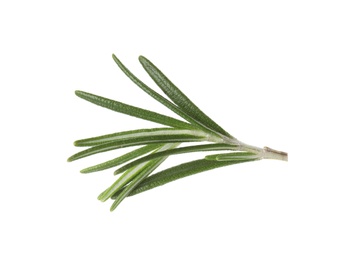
(272, 73)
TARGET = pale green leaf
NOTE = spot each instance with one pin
(131, 174)
(122, 159)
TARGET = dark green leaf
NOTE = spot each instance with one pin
(133, 111)
(174, 138)
(236, 156)
(188, 149)
(179, 98)
(178, 172)
(156, 95)
(150, 132)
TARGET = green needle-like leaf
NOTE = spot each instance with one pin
(151, 166)
(236, 156)
(133, 111)
(179, 98)
(121, 181)
(132, 173)
(188, 149)
(174, 138)
(178, 172)
(122, 159)
(146, 133)
(156, 95)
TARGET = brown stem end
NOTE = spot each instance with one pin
(274, 154)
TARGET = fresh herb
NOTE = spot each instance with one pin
(157, 144)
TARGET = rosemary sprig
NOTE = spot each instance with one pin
(161, 143)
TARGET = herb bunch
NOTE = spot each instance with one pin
(155, 145)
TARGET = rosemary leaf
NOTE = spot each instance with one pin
(133, 111)
(157, 96)
(122, 159)
(173, 138)
(236, 156)
(121, 181)
(143, 169)
(146, 133)
(151, 166)
(188, 149)
(179, 98)
(178, 172)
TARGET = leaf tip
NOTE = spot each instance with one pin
(101, 197)
(142, 58)
(114, 205)
(114, 57)
(85, 171)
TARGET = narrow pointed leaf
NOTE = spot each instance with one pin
(129, 175)
(121, 181)
(133, 111)
(179, 98)
(178, 172)
(174, 138)
(151, 132)
(121, 159)
(236, 156)
(156, 95)
(188, 149)
(151, 166)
